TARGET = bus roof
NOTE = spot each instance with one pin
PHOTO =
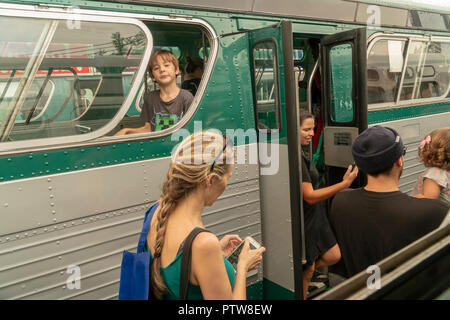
(424, 5)
(396, 13)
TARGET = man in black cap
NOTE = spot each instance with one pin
(377, 220)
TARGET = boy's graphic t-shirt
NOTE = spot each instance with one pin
(441, 177)
(163, 115)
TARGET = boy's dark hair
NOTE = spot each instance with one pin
(382, 172)
(166, 56)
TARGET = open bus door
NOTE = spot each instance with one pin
(276, 114)
(344, 96)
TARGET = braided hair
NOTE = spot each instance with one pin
(198, 156)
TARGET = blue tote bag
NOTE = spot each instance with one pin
(135, 269)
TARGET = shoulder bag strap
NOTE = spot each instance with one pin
(186, 262)
(146, 227)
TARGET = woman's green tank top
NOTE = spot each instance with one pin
(171, 276)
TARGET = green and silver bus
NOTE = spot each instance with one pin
(73, 73)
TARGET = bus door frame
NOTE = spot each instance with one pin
(339, 136)
(289, 117)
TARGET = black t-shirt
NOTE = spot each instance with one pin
(370, 226)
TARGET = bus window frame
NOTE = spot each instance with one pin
(373, 39)
(276, 83)
(54, 14)
(138, 19)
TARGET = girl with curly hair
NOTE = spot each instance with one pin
(434, 152)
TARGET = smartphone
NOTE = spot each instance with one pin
(234, 256)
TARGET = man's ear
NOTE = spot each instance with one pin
(399, 162)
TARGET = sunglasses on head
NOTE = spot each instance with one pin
(223, 150)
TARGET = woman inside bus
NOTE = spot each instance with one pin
(196, 178)
(321, 247)
(194, 72)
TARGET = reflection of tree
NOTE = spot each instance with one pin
(124, 45)
(101, 52)
(434, 47)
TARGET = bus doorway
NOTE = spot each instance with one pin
(344, 96)
(276, 115)
(332, 88)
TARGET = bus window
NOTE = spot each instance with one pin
(183, 40)
(416, 58)
(266, 84)
(341, 83)
(58, 80)
(437, 69)
(384, 69)
(427, 73)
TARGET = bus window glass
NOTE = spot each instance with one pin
(427, 73)
(84, 66)
(384, 70)
(375, 15)
(38, 98)
(200, 52)
(431, 20)
(30, 31)
(341, 83)
(411, 88)
(435, 77)
(266, 89)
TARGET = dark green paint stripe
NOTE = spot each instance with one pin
(273, 291)
(407, 112)
(268, 290)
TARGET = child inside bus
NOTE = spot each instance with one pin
(434, 152)
(162, 108)
(194, 72)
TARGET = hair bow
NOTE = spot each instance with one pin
(425, 141)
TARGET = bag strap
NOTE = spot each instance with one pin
(186, 262)
(146, 227)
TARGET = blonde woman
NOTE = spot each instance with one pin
(198, 175)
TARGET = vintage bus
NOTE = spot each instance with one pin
(73, 73)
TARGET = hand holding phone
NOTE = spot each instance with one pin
(228, 243)
(248, 252)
